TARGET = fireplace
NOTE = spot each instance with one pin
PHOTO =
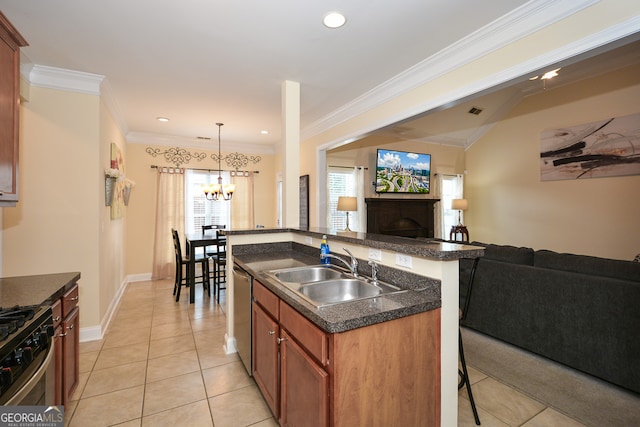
(401, 217)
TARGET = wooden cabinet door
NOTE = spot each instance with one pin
(10, 43)
(304, 387)
(70, 350)
(265, 356)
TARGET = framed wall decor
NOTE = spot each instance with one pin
(117, 162)
(608, 147)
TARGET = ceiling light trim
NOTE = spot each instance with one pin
(525, 20)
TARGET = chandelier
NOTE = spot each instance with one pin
(218, 191)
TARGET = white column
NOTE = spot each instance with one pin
(290, 153)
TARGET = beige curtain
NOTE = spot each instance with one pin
(242, 215)
(169, 214)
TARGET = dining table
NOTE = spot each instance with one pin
(194, 241)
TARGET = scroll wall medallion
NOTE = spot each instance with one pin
(236, 160)
(176, 156)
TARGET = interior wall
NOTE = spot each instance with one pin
(112, 256)
(54, 227)
(142, 204)
(508, 202)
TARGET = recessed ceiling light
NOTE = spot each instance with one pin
(163, 119)
(550, 74)
(264, 132)
(334, 20)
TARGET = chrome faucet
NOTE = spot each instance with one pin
(374, 272)
(353, 265)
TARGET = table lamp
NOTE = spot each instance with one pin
(347, 204)
(459, 205)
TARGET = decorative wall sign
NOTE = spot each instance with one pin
(176, 156)
(117, 163)
(609, 147)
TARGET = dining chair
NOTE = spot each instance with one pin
(211, 250)
(220, 266)
(463, 374)
(182, 267)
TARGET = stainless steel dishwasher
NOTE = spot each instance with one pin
(242, 292)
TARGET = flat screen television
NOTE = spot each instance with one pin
(403, 172)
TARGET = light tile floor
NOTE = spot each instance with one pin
(162, 363)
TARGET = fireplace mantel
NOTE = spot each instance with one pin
(401, 217)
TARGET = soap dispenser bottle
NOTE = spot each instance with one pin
(324, 250)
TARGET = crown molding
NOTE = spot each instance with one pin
(61, 79)
(523, 21)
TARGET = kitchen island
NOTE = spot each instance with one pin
(436, 262)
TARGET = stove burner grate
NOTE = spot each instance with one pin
(13, 318)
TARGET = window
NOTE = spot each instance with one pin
(451, 189)
(341, 182)
(198, 210)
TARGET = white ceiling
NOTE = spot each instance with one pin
(201, 62)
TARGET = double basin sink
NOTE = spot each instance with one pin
(323, 285)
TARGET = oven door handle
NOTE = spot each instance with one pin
(37, 376)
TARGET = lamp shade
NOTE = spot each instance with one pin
(349, 204)
(459, 204)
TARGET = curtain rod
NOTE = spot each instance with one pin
(205, 170)
(348, 167)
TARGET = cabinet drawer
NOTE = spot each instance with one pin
(267, 299)
(56, 310)
(69, 301)
(308, 335)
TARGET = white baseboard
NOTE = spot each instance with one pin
(93, 333)
(230, 344)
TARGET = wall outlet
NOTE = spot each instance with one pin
(308, 240)
(375, 254)
(403, 260)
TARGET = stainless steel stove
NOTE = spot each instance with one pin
(26, 351)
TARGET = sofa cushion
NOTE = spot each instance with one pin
(506, 253)
(617, 269)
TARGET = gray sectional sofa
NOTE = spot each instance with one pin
(581, 311)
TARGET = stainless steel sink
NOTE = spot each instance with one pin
(307, 274)
(327, 285)
(341, 290)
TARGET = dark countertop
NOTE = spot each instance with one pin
(426, 248)
(346, 316)
(35, 290)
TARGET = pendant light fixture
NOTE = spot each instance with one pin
(219, 191)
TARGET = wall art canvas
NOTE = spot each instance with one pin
(608, 147)
(117, 162)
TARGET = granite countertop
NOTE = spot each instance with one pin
(424, 296)
(423, 247)
(35, 290)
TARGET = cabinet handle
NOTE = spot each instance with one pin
(62, 335)
(281, 339)
(271, 332)
(55, 319)
(74, 298)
